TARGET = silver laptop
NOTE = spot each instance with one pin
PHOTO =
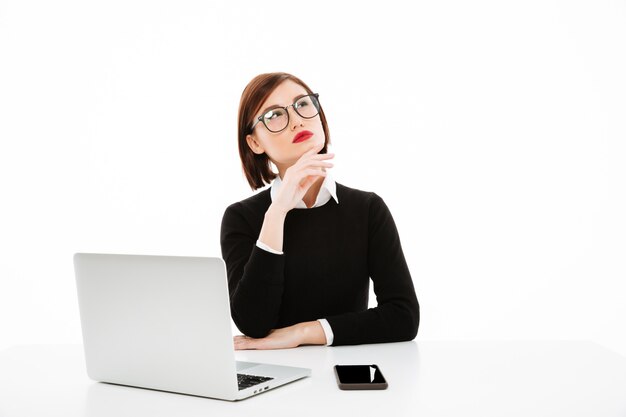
(163, 322)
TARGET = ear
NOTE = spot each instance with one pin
(255, 145)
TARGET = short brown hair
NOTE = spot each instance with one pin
(257, 167)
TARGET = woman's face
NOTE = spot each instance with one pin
(279, 146)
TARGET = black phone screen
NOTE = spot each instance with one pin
(359, 374)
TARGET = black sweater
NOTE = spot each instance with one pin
(329, 254)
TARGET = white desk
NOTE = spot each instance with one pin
(425, 379)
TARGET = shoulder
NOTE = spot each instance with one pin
(368, 203)
(255, 201)
(253, 207)
(351, 196)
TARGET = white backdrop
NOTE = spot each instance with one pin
(493, 130)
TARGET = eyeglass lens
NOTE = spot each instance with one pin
(277, 119)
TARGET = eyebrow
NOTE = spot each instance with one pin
(276, 106)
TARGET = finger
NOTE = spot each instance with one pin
(317, 157)
(308, 181)
(251, 344)
(237, 340)
(315, 149)
(300, 173)
(241, 338)
(312, 172)
(243, 343)
(313, 163)
(323, 156)
(305, 158)
(241, 346)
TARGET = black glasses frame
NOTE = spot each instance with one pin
(261, 118)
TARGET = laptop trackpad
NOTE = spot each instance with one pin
(245, 365)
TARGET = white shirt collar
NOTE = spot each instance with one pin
(328, 190)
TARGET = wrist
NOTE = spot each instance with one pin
(276, 210)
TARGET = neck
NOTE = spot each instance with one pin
(311, 195)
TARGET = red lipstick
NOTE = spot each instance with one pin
(302, 136)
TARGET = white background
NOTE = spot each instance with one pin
(493, 130)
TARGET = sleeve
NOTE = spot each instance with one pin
(267, 248)
(396, 318)
(255, 276)
(328, 332)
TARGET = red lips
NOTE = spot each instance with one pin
(302, 136)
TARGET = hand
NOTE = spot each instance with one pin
(300, 176)
(306, 333)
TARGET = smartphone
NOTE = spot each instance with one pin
(359, 377)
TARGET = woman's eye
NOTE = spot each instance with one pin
(273, 114)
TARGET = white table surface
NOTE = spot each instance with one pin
(452, 378)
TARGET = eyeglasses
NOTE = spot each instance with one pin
(277, 119)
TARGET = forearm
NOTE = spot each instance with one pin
(273, 227)
(256, 299)
(255, 276)
(397, 316)
(311, 333)
(392, 322)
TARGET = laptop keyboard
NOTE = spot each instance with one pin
(247, 381)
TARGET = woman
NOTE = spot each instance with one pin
(300, 254)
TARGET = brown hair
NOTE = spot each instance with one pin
(257, 167)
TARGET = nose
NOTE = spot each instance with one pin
(295, 119)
